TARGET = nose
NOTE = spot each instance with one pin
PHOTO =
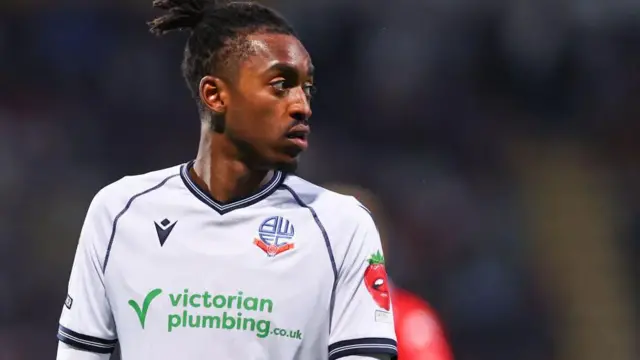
(300, 108)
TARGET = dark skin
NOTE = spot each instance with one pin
(257, 119)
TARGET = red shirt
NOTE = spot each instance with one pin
(419, 331)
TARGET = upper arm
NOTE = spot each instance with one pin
(362, 323)
(86, 321)
(67, 352)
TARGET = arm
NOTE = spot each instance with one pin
(66, 352)
(362, 321)
(87, 329)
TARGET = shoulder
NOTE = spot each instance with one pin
(115, 196)
(331, 206)
(112, 201)
(346, 225)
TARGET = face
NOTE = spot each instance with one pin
(267, 106)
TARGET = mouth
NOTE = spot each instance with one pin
(299, 135)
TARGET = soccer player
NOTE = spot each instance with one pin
(420, 333)
(230, 256)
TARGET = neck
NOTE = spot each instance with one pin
(218, 169)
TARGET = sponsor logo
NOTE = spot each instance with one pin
(384, 317)
(205, 310)
(375, 278)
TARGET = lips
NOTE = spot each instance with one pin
(299, 132)
(298, 136)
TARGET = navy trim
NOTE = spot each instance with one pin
(86, 342)
(326, 242)
(124, 210)
(223, 208)
(364, 346)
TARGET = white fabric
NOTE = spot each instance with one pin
(173, 274)
(66, 352)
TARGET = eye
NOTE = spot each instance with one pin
(279, 86)
(282, 86)
(378, 283)
(310, 90)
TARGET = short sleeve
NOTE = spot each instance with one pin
(362, 322)
(87, 322)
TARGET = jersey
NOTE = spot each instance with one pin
(420, 333)
(166, 271)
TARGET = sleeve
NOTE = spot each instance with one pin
(86, 322)
(66, 352)
(362, 321)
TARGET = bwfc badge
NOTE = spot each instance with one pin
(375, 278)
(275, 234)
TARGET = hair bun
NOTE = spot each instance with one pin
(183, 15)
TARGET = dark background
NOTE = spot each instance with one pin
(502, 136)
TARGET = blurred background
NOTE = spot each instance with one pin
(503, 137)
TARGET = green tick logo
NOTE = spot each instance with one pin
(142, 313)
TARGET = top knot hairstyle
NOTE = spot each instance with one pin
(217, 33)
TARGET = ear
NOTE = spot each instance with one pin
(214, 94)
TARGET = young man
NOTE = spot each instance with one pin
(420, 333)
(230, 256)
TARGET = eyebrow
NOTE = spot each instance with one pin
(287, 68)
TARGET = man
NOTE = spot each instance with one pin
(419, 331)
(230, 256)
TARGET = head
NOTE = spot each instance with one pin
(250, 75)
(369, 200)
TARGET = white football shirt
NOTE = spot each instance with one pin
(292, 272)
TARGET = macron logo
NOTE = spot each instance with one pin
(163, 229)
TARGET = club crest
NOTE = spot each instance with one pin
(275, 236)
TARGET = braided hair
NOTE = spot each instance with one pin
(217, 34)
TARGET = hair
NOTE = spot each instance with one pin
(217, 33)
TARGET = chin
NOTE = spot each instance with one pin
(287, 166)
(286, 160)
